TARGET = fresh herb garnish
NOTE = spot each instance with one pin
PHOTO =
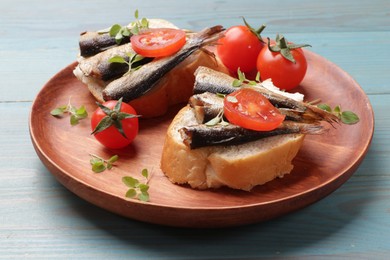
(120, 32)
(242, 79)
(138, 25)
(99, 164)
(133, 58)
(347, 117)
(76, 114)
(137, 189)
(218, 120)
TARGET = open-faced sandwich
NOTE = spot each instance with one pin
(150, 79)
(236, 137)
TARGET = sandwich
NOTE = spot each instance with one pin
(204, 150)
(154, 84)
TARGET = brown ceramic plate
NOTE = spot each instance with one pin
(323, 164)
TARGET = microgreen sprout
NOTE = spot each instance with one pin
(347, 117)
(120, 32)
(76, 114)
(99, 164)
(242, 79)
(218, 120)
(137, 189)
(133, 59)
(139, 25)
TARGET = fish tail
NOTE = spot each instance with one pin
(324, 115)
(210, 35)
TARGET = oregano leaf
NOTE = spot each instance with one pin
(114, 30)
(117, 59)
(98, 167)
(131, 193)
(113, 159)
(349, 117)
(57, 112)
(144, 196)
(130, 181)
(74, 120)
(145, 173)
(325, 107)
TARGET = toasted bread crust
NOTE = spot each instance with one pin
(239, 167)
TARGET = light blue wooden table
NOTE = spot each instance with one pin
(40, 219)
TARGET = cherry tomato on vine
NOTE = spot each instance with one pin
(158, 42)
(251, 110)
(286, 72)
(114, 124)
(240, 47)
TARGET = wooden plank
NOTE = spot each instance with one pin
(52, 39)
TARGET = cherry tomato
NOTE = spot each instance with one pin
(284, 73)
(239, 49)
(158, 42)
(251, 110)
(111, 137)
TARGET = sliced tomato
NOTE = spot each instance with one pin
(158, 42)
(251, 110)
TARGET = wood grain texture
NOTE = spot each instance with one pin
(40, 219)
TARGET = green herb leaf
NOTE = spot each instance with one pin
(217, 120)
(99, 164)
(114, 30)
(242, 79)
(113, 159)
(131, 193)
(325, 107)
(76, 114)
(337, 110)
(349, 117)
(145, 173)
(144, 196)
(81, 112)
(143, 187)
(74, 120)
(136, 14)
(346, 117)
(213, 121)
(98, 167)
(136, 188)
(57, 112)
(125, 31)
(130, 181)
(117, 59)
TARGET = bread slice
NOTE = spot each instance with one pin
(239, 167)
